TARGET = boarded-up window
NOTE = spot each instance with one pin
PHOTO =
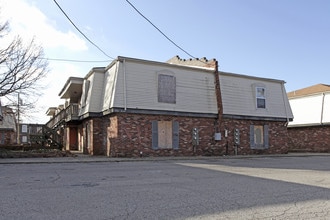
(166, 89)
(165, 135)
(259, 137)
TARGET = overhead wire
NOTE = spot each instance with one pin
(148, 20)
(159, 30)
(81, 31)
(78, 61)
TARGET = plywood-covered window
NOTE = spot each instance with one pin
(166, 89)
(165, 135)
(259, 137)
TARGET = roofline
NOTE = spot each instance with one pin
(208, 69)
(318, 124)
(309, 95)
(95, 69)
(315, 90)
(251, 77)
(122, 58)
(68, 82)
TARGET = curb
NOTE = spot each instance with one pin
(103, 159)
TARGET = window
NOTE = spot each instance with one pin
(24, 139)
(259, 137)
(24, 128)
(165, 135)
(261, 97)
(166, 89)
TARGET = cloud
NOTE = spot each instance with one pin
(28, 21)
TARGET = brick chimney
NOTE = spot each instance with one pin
(201, 62)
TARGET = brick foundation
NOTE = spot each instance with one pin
(310, 139)
(278, 136)
(126, 135)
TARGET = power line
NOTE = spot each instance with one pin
(81, 31)
(78, 61)
(159, 30)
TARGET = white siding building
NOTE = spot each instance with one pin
(310, 128)
(311, 105)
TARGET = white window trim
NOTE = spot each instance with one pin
(259, 97)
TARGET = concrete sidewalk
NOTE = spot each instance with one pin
(80, 158)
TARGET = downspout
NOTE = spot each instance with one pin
(125, 95)
(322, 109)
(285, 106)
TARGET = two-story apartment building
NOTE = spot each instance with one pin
(137, 107)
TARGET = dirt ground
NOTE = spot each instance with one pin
(4, 153)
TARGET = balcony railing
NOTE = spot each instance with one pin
(68, 114)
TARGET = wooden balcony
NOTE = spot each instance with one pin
(66, 115)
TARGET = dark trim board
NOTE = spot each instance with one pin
(255, 118)
(159, 112)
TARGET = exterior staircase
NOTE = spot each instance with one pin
(47, 137)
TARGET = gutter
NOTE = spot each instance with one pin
(125, 95)
(285, 106)
(322, 108)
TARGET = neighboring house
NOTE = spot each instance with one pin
(137, 107)
(26, 130)
(7, 126)
(310, 129)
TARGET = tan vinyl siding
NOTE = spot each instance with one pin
(93, 99)
(96, 92)
(108, 88)
(239, 97)
(194, 88)
(118, 96)
(133, 84)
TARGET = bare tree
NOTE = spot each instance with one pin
(22, 66)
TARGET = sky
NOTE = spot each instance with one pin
(278, 39)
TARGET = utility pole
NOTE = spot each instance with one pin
(18, 127)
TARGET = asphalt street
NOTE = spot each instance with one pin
(206, 188)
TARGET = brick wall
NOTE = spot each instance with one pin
(7, 137)
(94, 136)
(126, 135)
(130, 134)
(99, 134)
(134, 135)
(278, 136)
(310, 139)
